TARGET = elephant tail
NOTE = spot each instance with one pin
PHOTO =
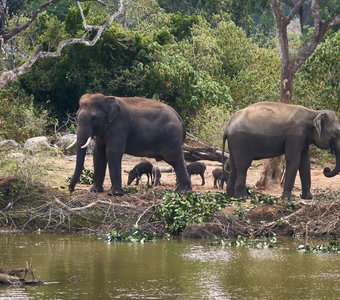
(223, 158)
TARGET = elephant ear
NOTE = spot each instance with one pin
(317, 122)
(113, 108)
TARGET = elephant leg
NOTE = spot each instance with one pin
(182, 177)
(99, 166)
(292, 165)
(215, 183)
(240, 182)
(148, 178)
(305, 176)
(232, 177)
(176, 160)
(115, 169)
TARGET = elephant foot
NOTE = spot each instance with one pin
(116, 192)
(306, 195)
(184, 189)
(287, 196)
(95, 189)
(241, 195)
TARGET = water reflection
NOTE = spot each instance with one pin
(87, 268)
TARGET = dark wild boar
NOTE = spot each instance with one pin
(144, 167)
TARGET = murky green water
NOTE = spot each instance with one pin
(83, 267)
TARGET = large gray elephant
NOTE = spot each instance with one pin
(136, 126)
(269, 129)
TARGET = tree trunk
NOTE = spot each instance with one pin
(286, 89)
(272, 172)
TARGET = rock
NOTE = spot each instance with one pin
(17, 156)
(37, 144)
(90, 147)
(64, 141)
(8, 145)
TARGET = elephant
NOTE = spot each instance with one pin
(269, 129)
(132, 125)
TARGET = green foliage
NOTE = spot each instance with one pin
(177, 211)
(108, 67)
(26, 168)
(208, 124)
(136, 235)
(263, 243)
(182, 25)
(20, 119)
(263, 199)
(202, 55)
(317, 82)
(86, 177)
(332, 247)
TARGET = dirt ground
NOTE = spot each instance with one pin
(63, 167)
(50, 206)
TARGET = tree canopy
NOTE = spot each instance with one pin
(194, 55)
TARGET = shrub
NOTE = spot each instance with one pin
(20, 119)
(178, 211)
(208, 124)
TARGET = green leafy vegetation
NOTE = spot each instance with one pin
(333, 246)
(136, 235)
(206, 59)
(177, 211)
(86, 176)
(260, 243)
(20, 118)
(26, 168)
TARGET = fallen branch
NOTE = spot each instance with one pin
(18, 276)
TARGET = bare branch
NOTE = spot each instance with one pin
(318, 35)
(316, 14)
(86, 27)
(294, 10)
(9, 33)
(10, 75)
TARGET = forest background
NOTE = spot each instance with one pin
(206, 59)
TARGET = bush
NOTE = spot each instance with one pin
(208, 124)
(178, 211)
(20, 119)
(25, 168)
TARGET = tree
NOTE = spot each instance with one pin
(289, 64)
(8, 32)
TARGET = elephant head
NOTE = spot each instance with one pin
(327, 136)
(95, 116)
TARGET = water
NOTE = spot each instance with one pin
(84, 267)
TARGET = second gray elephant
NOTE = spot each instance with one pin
(269, 129)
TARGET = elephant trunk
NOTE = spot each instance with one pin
(331, 173)
(81, 153)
